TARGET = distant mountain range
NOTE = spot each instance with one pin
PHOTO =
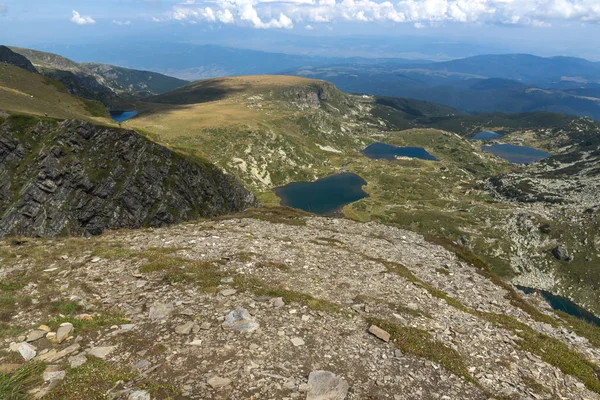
(485, 83)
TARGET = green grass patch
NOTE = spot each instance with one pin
(90, 381)
(550, 350)
(260, 288)
(403, 271)
(15, 385)
(276, 215)
(420, 343)
(98, 321)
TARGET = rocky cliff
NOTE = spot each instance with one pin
(10, 57)
(73, 177)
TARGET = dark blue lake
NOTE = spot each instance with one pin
(563, 304)
(379, 150)
(516, 154)
(486, 135)
(323, 196)
(121, 116)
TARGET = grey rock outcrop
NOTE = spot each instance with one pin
(561, 253)
(10, 57)
(80, 179)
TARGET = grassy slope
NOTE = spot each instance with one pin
(28, 93)
(262, 128)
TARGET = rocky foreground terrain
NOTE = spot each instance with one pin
(273, 304)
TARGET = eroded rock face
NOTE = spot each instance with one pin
(10, 57)
(77, 178)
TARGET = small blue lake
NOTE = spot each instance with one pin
(323, 196)
(380, 150)
(122, 116)
(563, 304)
(486, 135)
(516, 154)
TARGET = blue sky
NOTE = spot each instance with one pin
(545, 27)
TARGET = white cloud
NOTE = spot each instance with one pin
(309, 27)
(263, 14)
(81, 19)
(225, 17)
(121, 23)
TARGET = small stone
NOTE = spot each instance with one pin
(305, 318)
(205, 326)
(160, 311)
(51, 336)
(228, 279)
(84, 317)
(101, 352)
(139, 395)
(78, 360)
(253, 347)
(96, 259)
(64, 331)
(277, 302)
(289, 385)
(380, 333)
(227, 292)
(196, 342)
(217, 382)
(240, 320)
(35, 335)
(142, 365)
(26, 350)
(52, 357)
(187, 312)
(50, 374)
(184, 329)
(44, 328)
(297, 341)
(324, 385)
(7, 368)
(127, 327)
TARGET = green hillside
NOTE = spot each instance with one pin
(29, 93)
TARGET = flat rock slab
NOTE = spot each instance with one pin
(160, 311)
(63, 332)
(228, 292)
(50, 376)
(217, 382)
(78, 360)
(101, 352)
(184, 329)
(6, 368)
(26, 350)
(297, 341)
(240, 320)
(36, 335)
(139, 395)
(325, 385)
(63, 353)
(380, 333)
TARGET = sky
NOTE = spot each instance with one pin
(544, 27)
